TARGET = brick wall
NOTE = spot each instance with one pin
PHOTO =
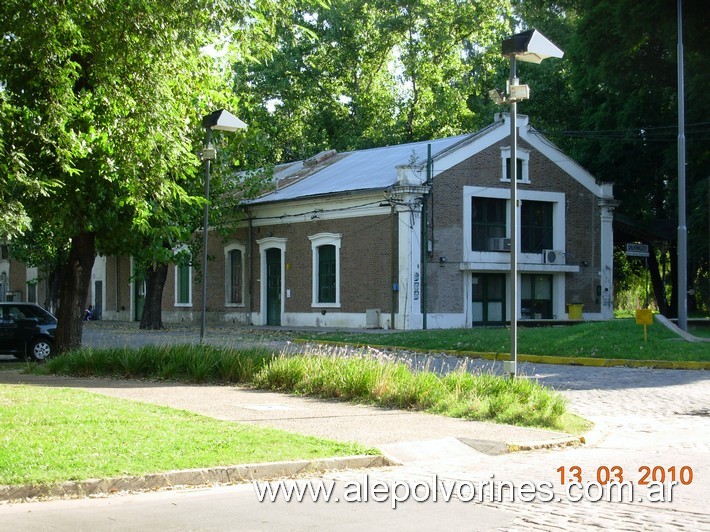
(365, 266)
(485, 169)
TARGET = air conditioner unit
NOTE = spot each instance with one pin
(553, 256)
(499, 244)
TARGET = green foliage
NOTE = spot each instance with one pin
(357, 74)
(192, 363)
(331, 374)
(393, 384)
(101, 109)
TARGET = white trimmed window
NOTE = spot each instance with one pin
(523, 158)
(183, 280)
(234, 254)
(326, 269)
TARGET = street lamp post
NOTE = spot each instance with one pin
(532, 47)
(220, 120)
(682, 228)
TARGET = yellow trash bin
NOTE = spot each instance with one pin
(574, 311)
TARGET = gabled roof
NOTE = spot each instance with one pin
(373, 169)
(377, 168)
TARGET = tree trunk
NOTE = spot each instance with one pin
(74, 292)
(155, 277)
(55, 278)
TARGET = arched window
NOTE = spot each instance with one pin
(183, 285)
(234, 274)
(326, 269)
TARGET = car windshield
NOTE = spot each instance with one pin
(19, 312)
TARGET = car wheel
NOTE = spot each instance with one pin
(41, 349)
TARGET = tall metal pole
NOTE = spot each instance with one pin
(205, 238)
(682, 228)
(513, 174)
(425, 240)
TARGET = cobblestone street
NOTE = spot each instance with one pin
(645, 418)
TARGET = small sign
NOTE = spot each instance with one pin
(644, 316)
(637, 250)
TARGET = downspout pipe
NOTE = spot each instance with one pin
(425, 239)
(393, 261)
(250, 273)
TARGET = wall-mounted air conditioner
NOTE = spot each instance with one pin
(499, 244)
(553, 256)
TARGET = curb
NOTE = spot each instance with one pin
(189, 478)
(571, 441)
(536, 359)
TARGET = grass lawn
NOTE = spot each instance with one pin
(699, 330)
(619, 338)
(57, 434)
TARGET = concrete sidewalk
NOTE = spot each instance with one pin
(402, 436)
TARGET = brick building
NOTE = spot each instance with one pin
(399, 237)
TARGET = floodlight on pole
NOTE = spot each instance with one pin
(531, 47)
(220, 120)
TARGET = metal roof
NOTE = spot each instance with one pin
(372, 169)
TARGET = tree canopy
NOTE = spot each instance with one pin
(101, 107)
(101, 102)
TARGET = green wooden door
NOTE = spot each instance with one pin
(273, 286)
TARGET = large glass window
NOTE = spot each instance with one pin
(489, 222)
(488, 292)
(536, 297)
(536, 226)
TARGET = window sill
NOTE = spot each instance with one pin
(325, 305)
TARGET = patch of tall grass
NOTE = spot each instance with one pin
(330, 373)
(189, 363)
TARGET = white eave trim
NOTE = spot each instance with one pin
(524, 267)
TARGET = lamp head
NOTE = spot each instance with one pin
(530, 46)
(222, 120)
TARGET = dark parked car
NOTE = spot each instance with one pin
(26, 330)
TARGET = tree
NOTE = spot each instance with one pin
(104, 104)
(356, 74)
(625, 93)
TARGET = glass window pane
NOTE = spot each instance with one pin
(183, 284)
(536, 226)
(235, 278)
(326, 274)
(489, 221)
